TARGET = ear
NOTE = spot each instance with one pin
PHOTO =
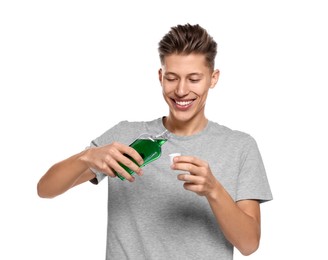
(160, 74)
(214, 78)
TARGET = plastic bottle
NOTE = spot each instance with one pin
(149, 148)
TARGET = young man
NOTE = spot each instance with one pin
(202, 207)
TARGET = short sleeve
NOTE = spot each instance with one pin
(99, 175)
(107, 137)
(252, 180)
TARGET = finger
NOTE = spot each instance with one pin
(188, 159)
(112, 166)
(123, 174)
(130, 163)
(109, 172)
(186, 167)
(193, 187)
(189, 178)
(122, 154)
(127, 150)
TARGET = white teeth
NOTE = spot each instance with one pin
(183, 103)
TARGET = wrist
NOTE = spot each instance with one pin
(215, 192)
(84, 156)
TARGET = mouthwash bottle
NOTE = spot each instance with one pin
(149, 148)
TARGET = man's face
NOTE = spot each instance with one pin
(186, 80)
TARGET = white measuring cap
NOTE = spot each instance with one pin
(172, 155)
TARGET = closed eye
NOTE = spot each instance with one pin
(171, 79)
(194, 80)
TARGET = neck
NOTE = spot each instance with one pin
(184, 128)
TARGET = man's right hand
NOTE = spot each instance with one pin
(106, 159)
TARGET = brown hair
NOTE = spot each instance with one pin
(187, 39)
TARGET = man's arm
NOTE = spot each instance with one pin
(64, 175)
(239, 221)
(76, 169)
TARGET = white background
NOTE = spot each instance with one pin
(71, 69)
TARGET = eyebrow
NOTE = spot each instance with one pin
(190, 74)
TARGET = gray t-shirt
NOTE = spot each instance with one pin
(155, 217)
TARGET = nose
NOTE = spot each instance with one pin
(182, 88)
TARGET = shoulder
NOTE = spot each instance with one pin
(235, 138)
(224, 131)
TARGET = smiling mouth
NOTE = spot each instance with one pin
(183, 104)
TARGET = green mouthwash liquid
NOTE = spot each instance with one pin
(148, 148)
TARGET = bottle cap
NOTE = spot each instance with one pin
(172, 155)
